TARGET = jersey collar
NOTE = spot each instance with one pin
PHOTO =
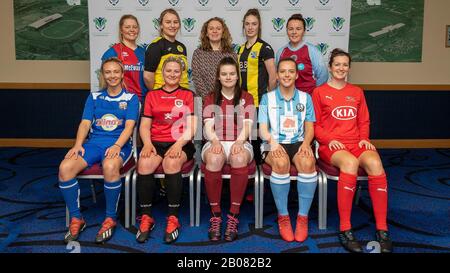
(280, 96)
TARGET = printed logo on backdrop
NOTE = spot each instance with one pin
(323, 5)
(189, 26)
(113, 5)
(264, 5)
(143, 5)
(323, 48)
(235, 47)
(202, 5)
(175, 4)
(278, 26)
(100, 26)
(155, 30)
(294, 5)
(337, 24)
(233, 5)
(310, 21)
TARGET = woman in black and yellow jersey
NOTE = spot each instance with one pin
(256, 59)
(162, 48)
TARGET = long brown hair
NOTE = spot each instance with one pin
(225, 41)
(218, 84)
(254, 12)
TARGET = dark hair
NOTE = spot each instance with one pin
(225, 41)
(218, 85)
(296, 16)
(254, 12)
(339, 52)
(287, 59)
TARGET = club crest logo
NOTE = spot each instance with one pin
(203, 3)
(233, 2)
(178, 103)
(114, 2)
(309, 23)
(278, 23)
(156, 23)
(323, 48)
(253, 54)
(143, 2)
(293, 2)
(189, 24)
(173, 3)
(123, 105)
(300, 107)
(324, 2)
(100, 23)
(338, 23)
(263, 2)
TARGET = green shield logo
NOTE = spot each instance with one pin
(189, 23)
(156, 23)
(338, 23)
(323, 48)
(203, 2)
(233, 2)
(100, 23)
(309, 23)
(293, 2)
(278, 23)
(174, 2)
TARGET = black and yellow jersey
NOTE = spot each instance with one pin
(157, 52)
(254, 76)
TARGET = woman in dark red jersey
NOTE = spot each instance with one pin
(342, 130)
(228, 132)
(167, 128)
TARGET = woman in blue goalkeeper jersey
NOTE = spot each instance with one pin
(109, 118)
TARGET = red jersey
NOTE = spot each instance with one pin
(227, 125)
(341, 115)
(169, 112)
(305, 81)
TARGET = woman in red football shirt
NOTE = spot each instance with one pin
(167, 128)
(342, 130)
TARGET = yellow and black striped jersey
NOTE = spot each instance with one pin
(254, 76)
(157, 52)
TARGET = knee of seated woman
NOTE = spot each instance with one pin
(238, 160)
(172, 165)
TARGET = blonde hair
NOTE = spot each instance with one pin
(225, 41)
(101, 78)
(161, 17)
(174, 59)
(122, 21)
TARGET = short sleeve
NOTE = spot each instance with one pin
(88, 112)
(152, 57)
(266, 52)
(263, 117)
(148, 106)
(310, 116)
(133, 109)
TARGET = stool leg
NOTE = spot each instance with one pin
(191, 198)
(197, 197)
(322, 200)
(127, 200)
(358, 193)
(67, 217)
(94, 196)
(261, 198)
(133, 198)
(256, 199)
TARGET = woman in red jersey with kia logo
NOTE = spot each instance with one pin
(342, 130)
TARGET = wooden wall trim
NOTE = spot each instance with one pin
(379, 143)
(367, 87)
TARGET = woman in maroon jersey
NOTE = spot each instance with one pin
(167, 128)
(342, 129)
(227, 114)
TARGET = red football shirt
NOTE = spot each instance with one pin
(227, 125)
(169, 112)
(341, 115)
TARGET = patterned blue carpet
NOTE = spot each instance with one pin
(32, 214)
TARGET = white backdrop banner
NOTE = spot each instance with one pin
(328, 22)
